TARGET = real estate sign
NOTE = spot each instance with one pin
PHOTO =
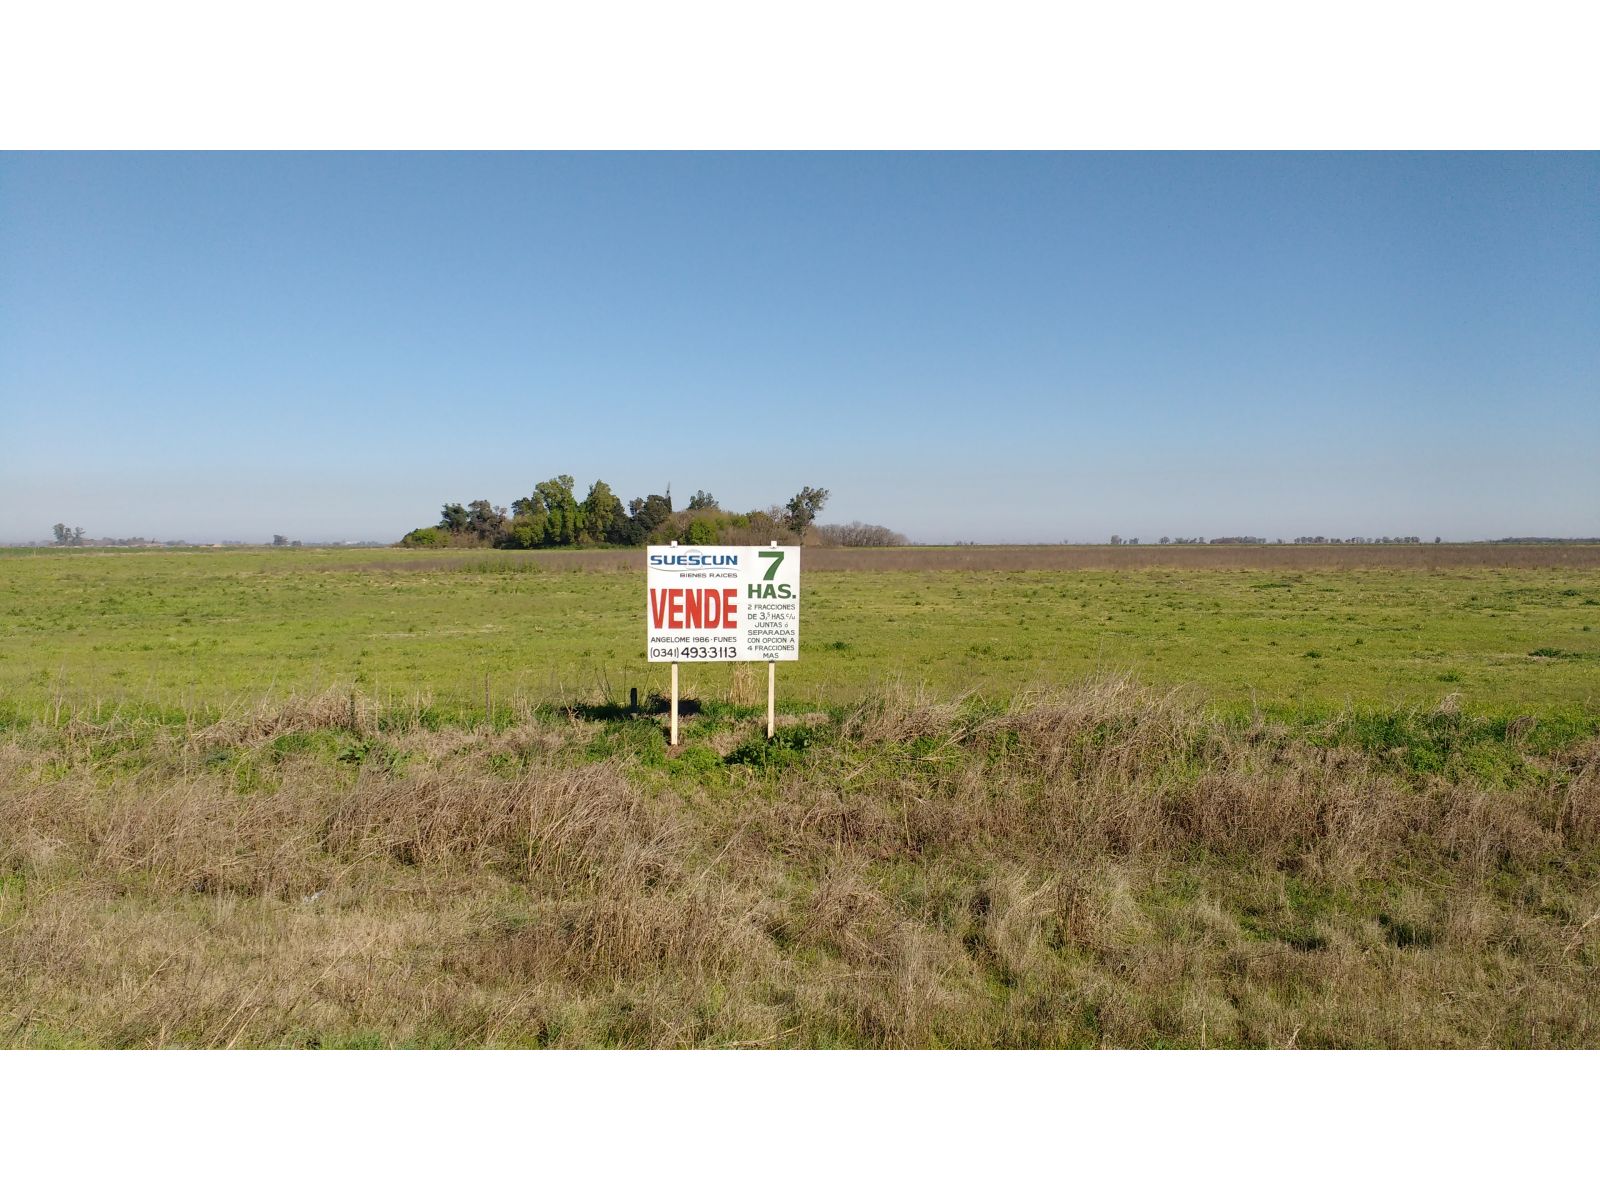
(722, 603)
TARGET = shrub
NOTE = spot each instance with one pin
(525, 532)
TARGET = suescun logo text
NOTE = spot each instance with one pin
(694, 560)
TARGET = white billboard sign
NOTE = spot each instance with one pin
(722, 603)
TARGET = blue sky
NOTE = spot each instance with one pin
(989, 347)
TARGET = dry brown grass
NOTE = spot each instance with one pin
(1216, 558)
(1457, 556)
(1102, 866)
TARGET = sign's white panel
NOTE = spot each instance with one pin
(722, 603)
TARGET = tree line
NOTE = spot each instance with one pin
(1261, 541)
(552, 515)
(1319, 540)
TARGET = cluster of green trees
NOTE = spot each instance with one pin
(552, 515)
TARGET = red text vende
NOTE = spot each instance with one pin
(694, 608)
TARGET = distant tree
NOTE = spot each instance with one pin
(63, 533)
(648, 514)
(485, 520)
(428, 535)
(803, 508)
(603, 513)
(768, 525)
(280, 539)
(556, 492)
(1436, 541)
(1166, 541)
(700, 533)
(1116, 539)
(703, 500)
(522, 533)
(858, 534)
(453, 518)
(526, 529)
(629, 531)
(564, 516)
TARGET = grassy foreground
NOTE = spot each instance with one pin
(1104, 865)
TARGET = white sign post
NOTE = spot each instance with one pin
(723, 604)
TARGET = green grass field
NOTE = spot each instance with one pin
(250, 799)
(214, 628)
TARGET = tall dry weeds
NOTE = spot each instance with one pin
(1098, 866)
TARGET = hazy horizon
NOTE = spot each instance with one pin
(1136, 540)
(1000, 348)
